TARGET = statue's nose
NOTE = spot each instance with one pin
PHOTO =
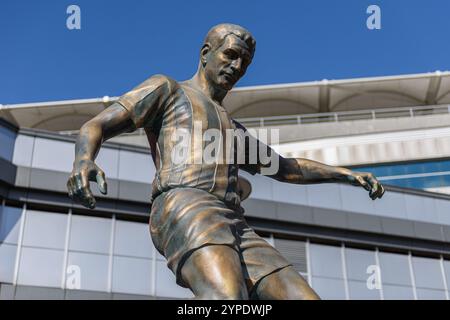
(236, 66)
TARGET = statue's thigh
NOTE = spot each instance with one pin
(284, 284)
(215, 272)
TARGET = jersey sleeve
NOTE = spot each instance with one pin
(146, 102)
(252, 167)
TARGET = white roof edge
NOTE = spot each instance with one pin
(59, 103)
(243, 89)
(343, 81)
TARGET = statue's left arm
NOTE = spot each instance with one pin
(304, 171)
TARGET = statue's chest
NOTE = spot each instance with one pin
(204, 112)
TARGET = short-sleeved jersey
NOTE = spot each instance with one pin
(166, 108)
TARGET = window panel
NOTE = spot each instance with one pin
(260, 188)
(132, 275)
(329, 289)
(357, 262)
(379, 171)
(394, 269)
(44, 155)
(87, 295)
(45, 229)
(41, 267)
(356, 200)
(393, 292)
(7, 262)
(288, 193)
(447, 272)
(93, 270)
(358, 290)
(136, 167)
(446, 180)
(7, 291)
(433, 182)
(419, 208)
(23, 150)
(38, 293)
(133, 239)
(326, 261)
(418, 182)
(392, 206)
(10, 224)
(90, 234)
(410, 168)
(7, 139)
(108, 160)
(316, 198)
(430, 294)
(397, 182)
(427, 273)
(166, 285)
(294, 252)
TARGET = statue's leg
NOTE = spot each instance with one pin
(215, 272)
(284, 284)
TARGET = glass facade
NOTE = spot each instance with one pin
(327, 273)
(339, 272)
(414, 175)
(85, 253)
(76, 255)
(103, 255)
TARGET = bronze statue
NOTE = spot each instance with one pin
(196, 220)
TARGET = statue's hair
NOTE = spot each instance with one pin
(216, 36)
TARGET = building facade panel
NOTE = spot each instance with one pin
(334, 235)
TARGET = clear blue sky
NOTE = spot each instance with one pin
(121, 43)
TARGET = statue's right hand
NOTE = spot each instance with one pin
(78, 183)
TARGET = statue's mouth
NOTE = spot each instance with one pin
(230, 76)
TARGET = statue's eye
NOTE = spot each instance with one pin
(231, 54)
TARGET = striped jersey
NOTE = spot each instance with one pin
(182, 125)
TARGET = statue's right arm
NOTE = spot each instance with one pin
(140, 107)
(109, 123)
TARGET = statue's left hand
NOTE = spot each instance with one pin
(369, 182)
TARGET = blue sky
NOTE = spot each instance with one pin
(121, 43)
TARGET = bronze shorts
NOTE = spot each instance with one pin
(185, 219)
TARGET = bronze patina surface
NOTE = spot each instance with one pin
(196, 219)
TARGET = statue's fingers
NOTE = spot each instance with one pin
(363, 183)
(74, 193)
(83, 192)
(375, 187)
(380, 191)
(88, 199)
(70, 187)
(101, 182)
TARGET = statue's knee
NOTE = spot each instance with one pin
(218, 294)
(285, 284)
(238, 295)
(301, 293)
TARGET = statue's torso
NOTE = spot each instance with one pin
(187, 116)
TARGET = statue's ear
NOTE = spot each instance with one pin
(204, 53)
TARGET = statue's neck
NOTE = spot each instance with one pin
(199, 82)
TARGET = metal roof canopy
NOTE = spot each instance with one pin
(263, 101)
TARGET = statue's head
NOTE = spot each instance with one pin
(226, 53)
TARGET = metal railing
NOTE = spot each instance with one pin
(346, 116)
(329, 117)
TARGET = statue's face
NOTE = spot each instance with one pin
(228, 63)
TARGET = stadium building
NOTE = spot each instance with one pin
(346, 245)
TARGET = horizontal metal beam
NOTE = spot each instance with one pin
(350, 237)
